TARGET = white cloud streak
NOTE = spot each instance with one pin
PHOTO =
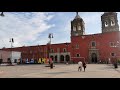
(23, 30)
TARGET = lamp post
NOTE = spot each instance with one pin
(12, 41)
(50, 37)
(67, 53)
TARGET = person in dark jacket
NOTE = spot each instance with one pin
(84, 65)
(115, 64)
(51, 64)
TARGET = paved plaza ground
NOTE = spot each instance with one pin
(59, 71)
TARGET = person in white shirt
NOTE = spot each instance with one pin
(79, 66)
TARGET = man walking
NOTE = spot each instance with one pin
(84, 65)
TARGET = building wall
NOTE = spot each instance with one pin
(102, 47)
(4, 55)
(80, 47)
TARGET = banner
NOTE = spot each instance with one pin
(43, 60)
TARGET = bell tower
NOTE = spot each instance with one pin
(77, 26)
(109, 22)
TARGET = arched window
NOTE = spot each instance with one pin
(77, 46)
(64, 50)
(56, 58)
(106, 24)
(93, 43)
(77, 55)
(61, 58)
(112, 23)
(112, 54)
(76, 34)
(74, 28)
(79, 27)
(52, 50)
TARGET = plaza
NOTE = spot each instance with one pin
(59, 71)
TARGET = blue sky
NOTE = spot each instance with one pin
(33, 28)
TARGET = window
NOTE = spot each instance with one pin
(52, 50)
(31, 52)
(77, 46)
(64, 50)
(45, 49)
(58, 49)
(78, 55)
(112, 23)
(112, 54)
(74, 28)
(23, 51)
(112, 44)
(106, 24)
(79, 27)
(93, 44)
(76, 34)
(41, 50)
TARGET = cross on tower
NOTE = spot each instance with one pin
(77, 13)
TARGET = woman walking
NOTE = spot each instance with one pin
(79, 66)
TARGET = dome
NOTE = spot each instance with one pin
(77, 16)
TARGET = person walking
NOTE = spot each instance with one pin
(84, 65)
(51, 64)
(115, 64)
(79, 66)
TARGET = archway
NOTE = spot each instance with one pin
(61, 58)
(94, 58)
(67, 58)
(52, 57)
(56, 58)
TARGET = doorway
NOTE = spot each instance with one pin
(94, 58)
(67, 58)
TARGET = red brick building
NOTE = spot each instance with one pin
(91, 48)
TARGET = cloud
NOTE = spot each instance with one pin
(24, 27)
(32, 28)
(92, 22)
(63, 27)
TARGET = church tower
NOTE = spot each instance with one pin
(109, 22)
(77, 26)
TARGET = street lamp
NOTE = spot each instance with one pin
(12, 41)
(50, 37)
(67, 53)
(2, 14)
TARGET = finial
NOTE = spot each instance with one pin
(76, 13)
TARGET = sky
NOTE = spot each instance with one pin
(33, 28)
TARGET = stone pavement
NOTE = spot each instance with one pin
(59, 71)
